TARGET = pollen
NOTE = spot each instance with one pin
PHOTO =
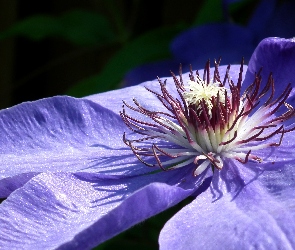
(198, 91)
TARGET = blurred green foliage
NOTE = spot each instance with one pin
(79, 27)
(150, 46)
(115, 31)
(210, 11)
(111, 30)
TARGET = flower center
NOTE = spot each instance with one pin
(209, 124)
(198, 93)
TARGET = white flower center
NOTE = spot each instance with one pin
(198, 91)
(209, 123)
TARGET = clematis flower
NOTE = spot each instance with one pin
(74, 175)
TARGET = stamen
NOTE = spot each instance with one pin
(231, 140)
(208, 123)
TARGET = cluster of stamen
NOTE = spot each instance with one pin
(208, 122)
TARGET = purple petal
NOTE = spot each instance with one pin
(74, 212)
(149, 72)
(61, 134)
(112, 100)
(277, 172)
(238, 217)
(276, 55)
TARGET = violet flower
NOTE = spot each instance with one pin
(71, 182)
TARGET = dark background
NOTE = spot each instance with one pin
(32, 68)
